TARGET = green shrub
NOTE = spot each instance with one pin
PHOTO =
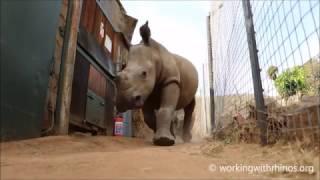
(272, 72)
(312, 70)
(291, 82)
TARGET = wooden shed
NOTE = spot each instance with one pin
(104, 37)
(103, 40)
(92, 38)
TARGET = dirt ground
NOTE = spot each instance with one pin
(99, 157)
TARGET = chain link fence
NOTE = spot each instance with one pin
(287, 38)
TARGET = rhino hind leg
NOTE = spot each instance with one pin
(150, 119)
(188, 121)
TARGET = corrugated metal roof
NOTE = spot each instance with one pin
(120, 21)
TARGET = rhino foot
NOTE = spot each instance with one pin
(163, 139)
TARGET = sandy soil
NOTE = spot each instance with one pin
(98, 157)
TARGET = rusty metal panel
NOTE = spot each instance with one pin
(79, 88)
(95, 110)
(90, 46)
(110, 93)
(94, 21)
(87, 17)
(110, 105)
(97, 82)
(94, 29)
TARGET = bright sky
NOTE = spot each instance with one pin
(181, 27)
(287, 35)
(178, 25)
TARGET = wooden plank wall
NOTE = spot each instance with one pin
(79, 88)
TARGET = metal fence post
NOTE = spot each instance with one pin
(255, 70)
(208, 126)
(212, 114)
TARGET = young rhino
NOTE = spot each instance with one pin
(160, 83)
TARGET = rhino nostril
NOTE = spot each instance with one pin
(137, 98)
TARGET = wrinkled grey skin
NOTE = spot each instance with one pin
(160, 83)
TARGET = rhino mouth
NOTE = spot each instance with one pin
(138, 103)
(124, 106)
(121, 108)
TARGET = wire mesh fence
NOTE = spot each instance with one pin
(287, 38)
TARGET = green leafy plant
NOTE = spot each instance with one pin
(291, 81)
(272, 72)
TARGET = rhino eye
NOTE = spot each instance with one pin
(144, 74)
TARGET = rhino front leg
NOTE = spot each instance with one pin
(165, 115)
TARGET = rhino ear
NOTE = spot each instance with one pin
(145, 33)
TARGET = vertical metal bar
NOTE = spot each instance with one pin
(255, 70)
(210, 74)
(204, 99)
(67, 67)
(317, 130)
